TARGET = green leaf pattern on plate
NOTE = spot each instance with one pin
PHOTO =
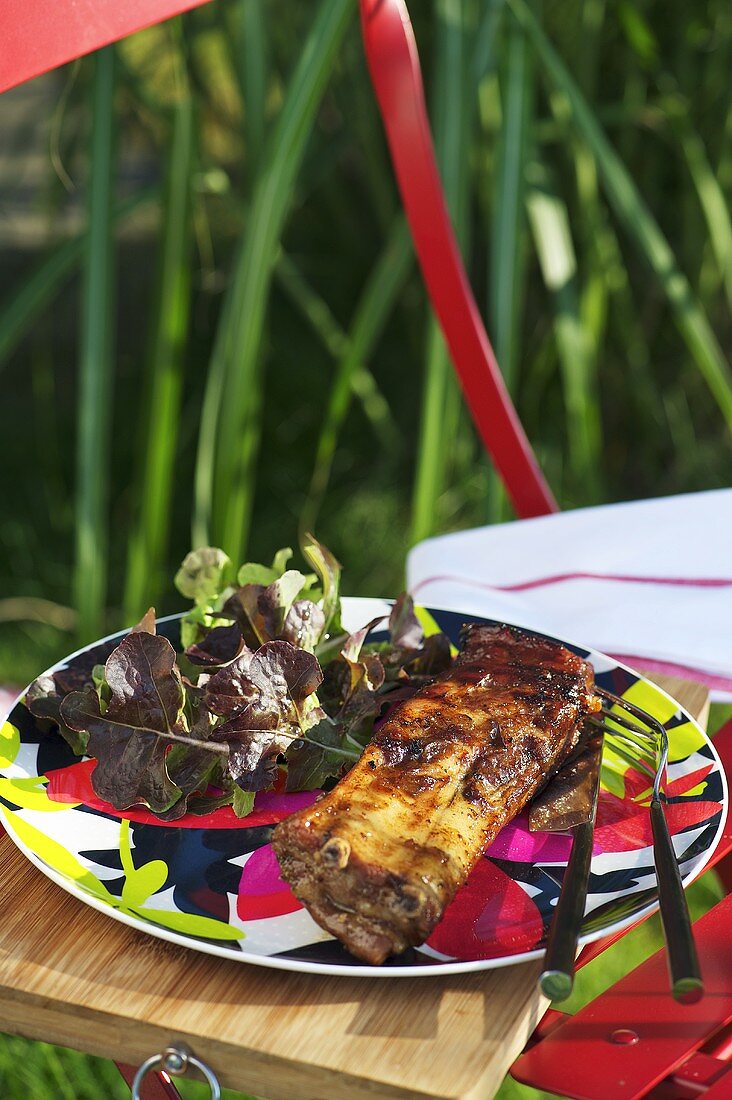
(140, 882)
(9, 744)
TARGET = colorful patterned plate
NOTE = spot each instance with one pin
(212, 883)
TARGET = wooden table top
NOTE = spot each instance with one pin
(72, 976)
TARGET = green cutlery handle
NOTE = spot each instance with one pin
(686, 980)
(557, 977)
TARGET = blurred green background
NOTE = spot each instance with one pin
(212, 329)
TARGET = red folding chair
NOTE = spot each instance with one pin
(634, 1040)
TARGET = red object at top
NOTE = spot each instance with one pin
(38, 35)
(394, 66)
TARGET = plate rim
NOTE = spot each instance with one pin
(303, 966)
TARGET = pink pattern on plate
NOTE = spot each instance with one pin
(491, 915)
(516, 843)
(262, 891)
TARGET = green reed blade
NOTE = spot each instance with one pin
(639, 223)
(507, 249)
(441, 397)
(235, 428)
(484, 50)
(592, 228)
(507, 257)
(596, 245)
(711, 197)
(553, 239)
(592, 18)
(213, 396)
(724, 161)
(337, 342)
(607, 281)
(148, 538)
(96, 363)
(253, 67)
(372, 312)
(35, 294)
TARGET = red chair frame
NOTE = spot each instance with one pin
(394, 66)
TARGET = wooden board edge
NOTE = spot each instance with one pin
(131, 1040)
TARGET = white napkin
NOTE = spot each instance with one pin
(649, 581)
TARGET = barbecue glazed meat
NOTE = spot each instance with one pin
(378, 858)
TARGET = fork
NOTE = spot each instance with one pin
(646, 746)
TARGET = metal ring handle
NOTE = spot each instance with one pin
(175, 1060)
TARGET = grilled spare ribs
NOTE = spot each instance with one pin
(378, 858)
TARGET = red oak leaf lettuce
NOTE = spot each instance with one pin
(404, 627)
(261, 612)
(268, 701)
(142, 720)
(220, 646)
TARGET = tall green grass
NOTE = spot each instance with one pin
(555, 250)
(506, 278)
(147, 554)
(282, 358)
(252, 48)
(342, 346)
(231, 485)
(96, 361)
(373, 308)
(637, 220)
(508, 238)
(453, 96)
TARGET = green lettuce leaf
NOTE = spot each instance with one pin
(324, 755)
(254, 573)
(203, 575)
(328, 569)
(242, 801)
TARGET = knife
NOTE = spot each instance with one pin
(569, 802)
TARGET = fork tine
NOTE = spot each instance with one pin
(629, 732)
(637, 758)
(654, 726)
(645, 736)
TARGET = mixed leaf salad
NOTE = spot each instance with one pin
(268, 687)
